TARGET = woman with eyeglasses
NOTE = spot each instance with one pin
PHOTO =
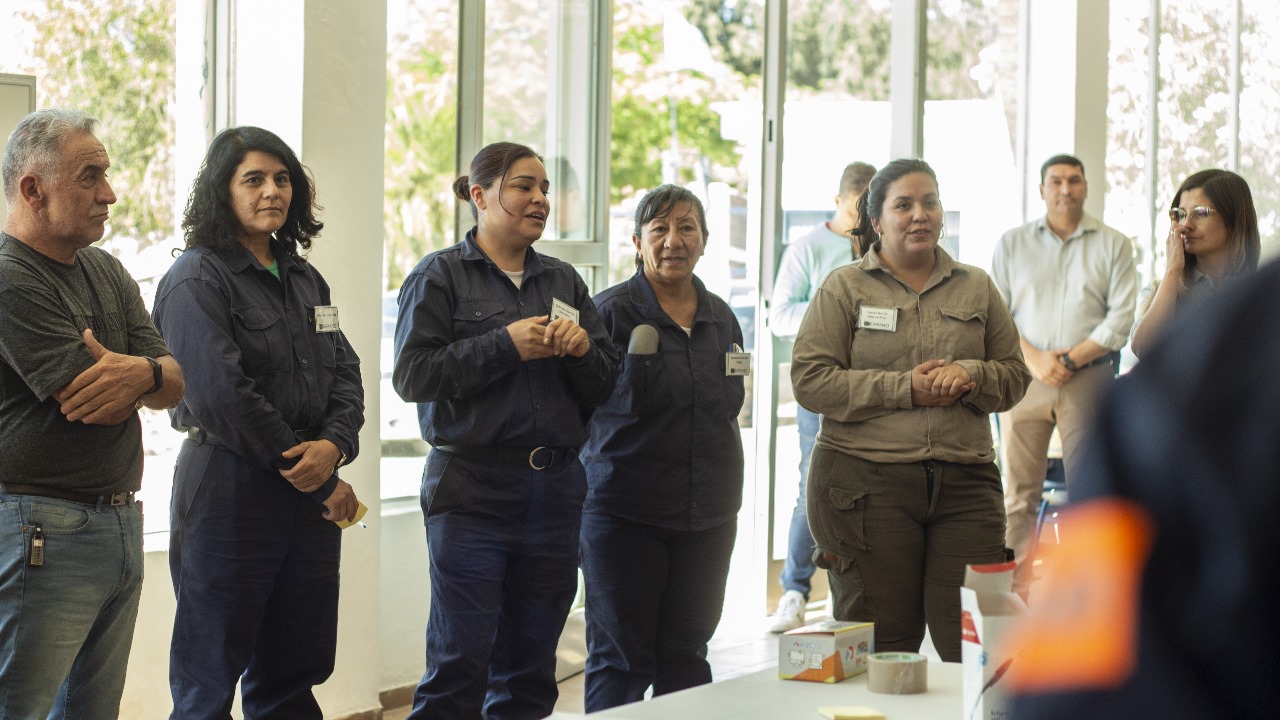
(1213, 237)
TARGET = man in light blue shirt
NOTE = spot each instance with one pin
(1069, 282)
(805, 264)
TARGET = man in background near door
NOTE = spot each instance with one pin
(78, 356)
(1069, 282)
(805, 264)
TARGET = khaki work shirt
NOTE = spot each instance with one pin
(859, 378)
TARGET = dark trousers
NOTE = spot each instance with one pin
(902, 534)
(502, 541)
(654, 598)
(255, 572)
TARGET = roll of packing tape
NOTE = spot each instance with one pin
(890, 673)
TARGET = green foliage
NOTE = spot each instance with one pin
(734, 29)
(420, 138)
(642, 131)
(842, 46)
(115, 60)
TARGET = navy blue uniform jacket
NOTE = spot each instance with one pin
(455, 358)
(665, 449)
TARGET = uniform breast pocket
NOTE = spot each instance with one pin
(472, 318)
(962, 332)
(876, 347)
(641, 383)
(326, 343)
(263, 339)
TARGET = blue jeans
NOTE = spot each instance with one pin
(66, 626)
(799, 567)
(654, 598)
(502, 541)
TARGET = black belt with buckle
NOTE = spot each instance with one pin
(83, 498)
(202, 436)
(539, 458)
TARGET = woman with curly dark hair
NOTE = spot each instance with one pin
(273, 408)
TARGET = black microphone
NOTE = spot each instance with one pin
(644, 340)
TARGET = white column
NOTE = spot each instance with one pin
(343, 121)
(1066, 99)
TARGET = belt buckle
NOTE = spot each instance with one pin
(534, 451)
(118, 499)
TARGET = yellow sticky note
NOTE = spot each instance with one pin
(851, 712)
(360, 511)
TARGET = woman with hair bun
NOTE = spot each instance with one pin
(503, 351)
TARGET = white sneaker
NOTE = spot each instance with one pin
(790, 613)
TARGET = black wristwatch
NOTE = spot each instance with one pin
(1067, 362)
(157, 375)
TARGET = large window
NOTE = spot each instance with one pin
(1195, 101)
(421, 156)
(1259, 106)
(971, 100)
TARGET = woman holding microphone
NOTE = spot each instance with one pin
(664, 465)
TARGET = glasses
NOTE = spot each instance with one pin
(1197, 213)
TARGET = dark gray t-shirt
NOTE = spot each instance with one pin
(45, 307)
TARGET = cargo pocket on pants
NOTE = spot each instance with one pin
(850, 516)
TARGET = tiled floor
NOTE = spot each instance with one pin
(730, 656)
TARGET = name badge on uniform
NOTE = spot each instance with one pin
(562, 309)
(736, 362)
(326, 318)
(874, 318)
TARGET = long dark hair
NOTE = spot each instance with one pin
(489, 165)
(1231, 197)
(871, 204)
(210, 221)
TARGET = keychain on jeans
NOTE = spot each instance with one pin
(37, 546)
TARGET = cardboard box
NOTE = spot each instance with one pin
(827, 651)
(988, 607)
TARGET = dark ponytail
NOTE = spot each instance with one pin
(490, 165)
(871, 204)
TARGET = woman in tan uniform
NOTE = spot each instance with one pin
(905, 353)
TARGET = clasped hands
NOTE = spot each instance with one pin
(317, 461)
(540, 337)
(938, 383)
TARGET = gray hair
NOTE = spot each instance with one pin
(35, 143)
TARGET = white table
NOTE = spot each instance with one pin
(762, 696)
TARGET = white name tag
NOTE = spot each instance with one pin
(326, 318)
(874, 318)
(737, 363)
(562, 309)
